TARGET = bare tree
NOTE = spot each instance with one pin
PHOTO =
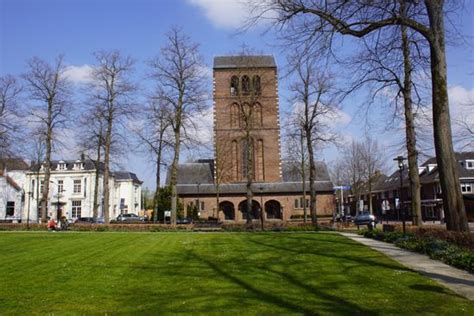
(296, 156)
(156, 139)
(313, 91)
(9, 93)
(92, 130)
(50, 91)
(313, 23)
(178, 72)
(373, 161)
(112, 90)
(222, 165)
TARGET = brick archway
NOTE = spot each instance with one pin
(273, 209)
(228, 210)
(255, 209)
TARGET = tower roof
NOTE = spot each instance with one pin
(249, 61)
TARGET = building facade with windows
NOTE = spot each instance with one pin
(247, 140)
(386, 189)
(72, 188)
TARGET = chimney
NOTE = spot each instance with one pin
(83, 156)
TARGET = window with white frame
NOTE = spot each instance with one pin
(77, 186)
(469, 164)
(76, 209)
(10, 208)
(60, 186)
(466, 187)
(41, 186)
(61, 166)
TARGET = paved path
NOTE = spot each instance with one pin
(457, 280)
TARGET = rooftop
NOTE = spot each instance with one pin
(254, 61)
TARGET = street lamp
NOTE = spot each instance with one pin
(261, 207)
(198, 202)
(401, 167)
(28, 213)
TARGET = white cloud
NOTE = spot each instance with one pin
(79, 74)
(228, 13)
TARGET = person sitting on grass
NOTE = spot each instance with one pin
(52, 226)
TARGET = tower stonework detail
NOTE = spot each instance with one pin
(246, 102)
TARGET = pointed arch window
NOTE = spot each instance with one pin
(245, 84)
(257, 115)
(248, 159)
(234, 86)
(234, 115)
(256, 83)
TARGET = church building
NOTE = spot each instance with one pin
(247, 145)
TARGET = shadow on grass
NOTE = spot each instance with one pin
(331, 254)
(332, 304)
(432, 288)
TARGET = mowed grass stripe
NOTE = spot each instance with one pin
(232, 273)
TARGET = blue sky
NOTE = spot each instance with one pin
(46, 28)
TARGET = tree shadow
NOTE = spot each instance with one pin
(332, 254)
(333, 304)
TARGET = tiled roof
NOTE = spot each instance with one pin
(256, 61)
(88, 165)
(13, 164)
(126, 175)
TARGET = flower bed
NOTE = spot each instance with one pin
(453, 248)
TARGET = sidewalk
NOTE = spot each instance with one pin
(459, 281)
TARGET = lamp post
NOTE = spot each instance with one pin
(401, 167)
(261, 207)
(198, 202)
(28, 212)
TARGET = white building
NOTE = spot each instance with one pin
(72, 185)
(12, 198)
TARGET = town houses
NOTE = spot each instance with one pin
(71, 194)
(389, 193)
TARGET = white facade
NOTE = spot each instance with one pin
(72, 184)
(11, 199)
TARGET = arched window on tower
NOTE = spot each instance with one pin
(234, 86)
(235, 161)
(259, 162)
(234, 115)
(245, 85)
(257, 115)
(257, 87)
(248, 161)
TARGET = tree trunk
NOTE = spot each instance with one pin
(410, 132)
(95, 210)
(157, 191)
(249, 175)
(47, 167)
(312, 176)
(108, 141)
(174, 173)
(371, 210)
(305, 211)
(453, 203)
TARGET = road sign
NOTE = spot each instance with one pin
(342, 187)
(167, 213)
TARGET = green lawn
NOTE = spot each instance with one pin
(231, 273)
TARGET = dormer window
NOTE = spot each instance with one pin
(469, 164)
(61, 165)
(78, 165)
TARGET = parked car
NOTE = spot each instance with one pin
(365, 218)
(184, 221)
(130, 217)
(90, 220)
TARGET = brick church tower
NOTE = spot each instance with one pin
(246, 108)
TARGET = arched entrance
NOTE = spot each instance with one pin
(273, 209)
(255, 209)
(228, 209)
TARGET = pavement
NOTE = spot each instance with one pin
(459, 281)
